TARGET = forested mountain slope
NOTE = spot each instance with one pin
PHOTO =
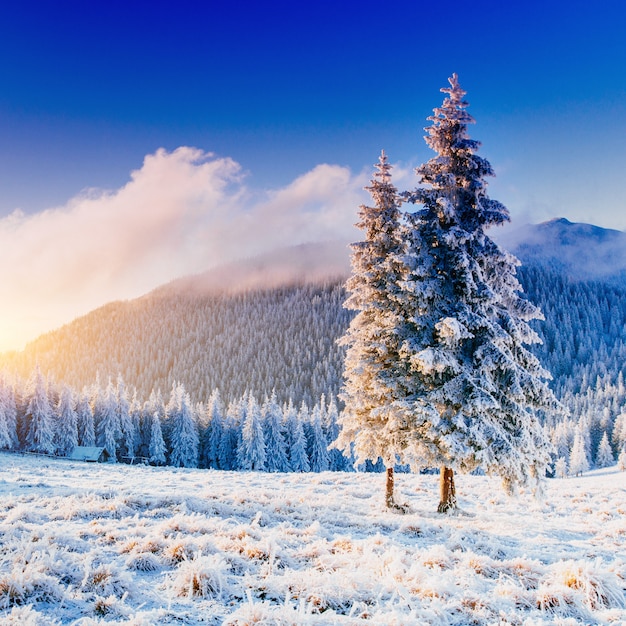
(256, 340)
(224, 329)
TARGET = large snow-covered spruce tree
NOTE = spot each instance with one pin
(473, 389)
(372, 424)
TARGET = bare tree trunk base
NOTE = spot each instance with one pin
(390, 501)
(445, 507)
(389, 488)
(401, 509)
(447, 492)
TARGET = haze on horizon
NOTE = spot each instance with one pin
(139, 146)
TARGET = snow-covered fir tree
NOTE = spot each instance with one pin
(184, 438)
(156, 449)
(124, 419)
(275, 445)
(621, 460)
(579, 461)
(560, 468)
(318, 459)
(8, 417)
(214, 430)
(619, 431)
(230, 435)
(251, 453)
(136, 418)
(562, 438)
(84, 421)
(298, 457)
(6, 440)
(154, 404)
(604, 456)
(39, 419)
(337, 461)
(473, 392)
(304, 417)
(584, 427)
(66, 432)
(107, 427)
(372, 424)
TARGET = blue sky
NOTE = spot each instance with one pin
(288, 105)
(88, 89)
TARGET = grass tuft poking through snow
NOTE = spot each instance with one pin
(201, 577)
(110, 544)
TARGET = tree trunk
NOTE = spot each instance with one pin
(389, 498)
(447, 495)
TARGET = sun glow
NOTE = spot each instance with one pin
(181, 213)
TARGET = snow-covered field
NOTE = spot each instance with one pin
(85, 544)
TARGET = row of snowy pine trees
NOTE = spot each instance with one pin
(591, 431)
(244, 434)
(574, 450)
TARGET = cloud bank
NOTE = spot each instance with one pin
(182, 212)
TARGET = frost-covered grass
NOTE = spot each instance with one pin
(86, 544)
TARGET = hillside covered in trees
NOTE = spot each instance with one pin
(236, 335)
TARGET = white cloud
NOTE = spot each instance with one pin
(182, 212)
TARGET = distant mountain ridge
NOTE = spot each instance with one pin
(580, 250)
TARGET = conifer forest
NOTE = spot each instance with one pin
(252, 378)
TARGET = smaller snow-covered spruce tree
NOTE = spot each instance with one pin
(621, 460)
(604, 457)
(372, 424)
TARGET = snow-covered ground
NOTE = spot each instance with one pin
(84, 544)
